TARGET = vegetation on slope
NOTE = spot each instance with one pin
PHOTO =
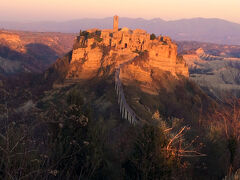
(76, 131)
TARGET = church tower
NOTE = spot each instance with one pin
(115, 23)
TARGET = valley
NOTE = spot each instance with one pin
(216, 69)
(31, 52)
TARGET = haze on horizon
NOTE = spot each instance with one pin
(62, 10)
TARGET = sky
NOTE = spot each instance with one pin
(62, 10)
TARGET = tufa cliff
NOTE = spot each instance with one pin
(99, 52)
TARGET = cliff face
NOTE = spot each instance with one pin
(151, 74)
(96, 53)
(85, 63)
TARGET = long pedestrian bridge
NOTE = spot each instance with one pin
(125, 110)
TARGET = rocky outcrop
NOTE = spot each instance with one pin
(97, 50)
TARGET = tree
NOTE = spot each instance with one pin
(149, 160)
(229, 119)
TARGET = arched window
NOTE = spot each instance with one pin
(125, 45)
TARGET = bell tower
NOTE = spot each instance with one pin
(115, 23)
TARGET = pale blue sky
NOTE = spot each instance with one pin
(38, 10)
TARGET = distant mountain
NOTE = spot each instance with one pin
(197, 29)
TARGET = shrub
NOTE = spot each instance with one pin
(153, 36)
(98, 33)
(98, 39)
(74, 97)
(84, 33)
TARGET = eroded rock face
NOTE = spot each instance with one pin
(95, 50)
(85, 63)
(31, 51)
(148, 72)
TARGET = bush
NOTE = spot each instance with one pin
(98, 33)
(153, 36)
(98, 39)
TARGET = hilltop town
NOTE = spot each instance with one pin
(96, 48)
(98, 53)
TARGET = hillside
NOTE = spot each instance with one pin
(196, 29)
(223, 50)
(31, 52)
(214, 67)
